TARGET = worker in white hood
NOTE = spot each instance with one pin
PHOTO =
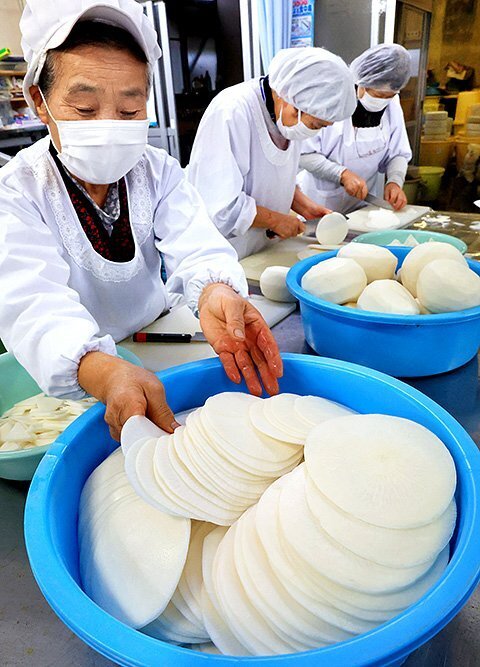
(98, 231)
(341, 165)
(245, 156)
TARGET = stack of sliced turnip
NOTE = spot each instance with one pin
(217, 465)
(182, 620)
(281, 556)
(434, 278)
(341, 544)
(131, 556)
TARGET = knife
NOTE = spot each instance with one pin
(141, 337)
(376, 201)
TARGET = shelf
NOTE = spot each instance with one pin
(9, 72)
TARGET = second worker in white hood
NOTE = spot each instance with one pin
(245, 155)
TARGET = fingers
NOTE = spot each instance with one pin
(395, 196)
(228, 363)
(158, 410)
(268, 346)
(268, 378)
(247, 369)
(301, 227)
(124, 405)
(234, 309)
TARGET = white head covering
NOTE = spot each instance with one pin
(315, 81)
(46, 24)
(385, 67)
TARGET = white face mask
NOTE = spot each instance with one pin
(101, 151)
(297, 132)
(374, 103)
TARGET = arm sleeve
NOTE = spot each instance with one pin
(397, 170)
(193, 250)
(218, 164)
(399, 153)
(42, 321)
(322, 167)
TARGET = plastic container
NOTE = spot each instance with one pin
(410, 188)
(52, 509)
(17, 385)
(462, 142)
(464, 101)
(431, 178)
(422, 236)
(436, 153)
(400, 345)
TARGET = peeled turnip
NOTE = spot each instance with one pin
(377, 262)
(445, 286)
(422, 255)
(332, 229)
(387, 296)
(273, 285)
(336, 280)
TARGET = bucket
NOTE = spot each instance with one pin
(410, 188)
(52, 511)
(436, 153)
(17, 385)
(464, 102)
(400, 345)
(431, 178)
(462, 142)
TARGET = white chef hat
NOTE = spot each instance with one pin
(315, 81)
(384, 67)
(46, 24)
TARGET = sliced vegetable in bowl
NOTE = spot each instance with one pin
(16, 386)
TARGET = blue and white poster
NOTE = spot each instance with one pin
(302, 23)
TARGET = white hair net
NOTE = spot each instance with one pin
(384, 67)
(46, 24)
(315, 81)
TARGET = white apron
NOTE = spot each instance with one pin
(235, 165)
(362, 151)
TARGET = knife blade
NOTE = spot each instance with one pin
(376, 201)
(141, 337)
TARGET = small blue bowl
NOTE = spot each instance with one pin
(422, 236)
(52, 512)
(400, 345)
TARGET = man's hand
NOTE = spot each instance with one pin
(286, 226)
(395, 196)
(126, 390)
(309, 209)
(241, 338)
(354, 185)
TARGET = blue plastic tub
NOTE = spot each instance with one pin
(52, 504)
(420, 235)
(400, 345)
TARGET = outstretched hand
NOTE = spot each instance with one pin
(241, 338)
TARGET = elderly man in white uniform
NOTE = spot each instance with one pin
(342, 164)
(92, 219)
(245, 156)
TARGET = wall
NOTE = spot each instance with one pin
(343, 27)
(464, 43)
(10, 12)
